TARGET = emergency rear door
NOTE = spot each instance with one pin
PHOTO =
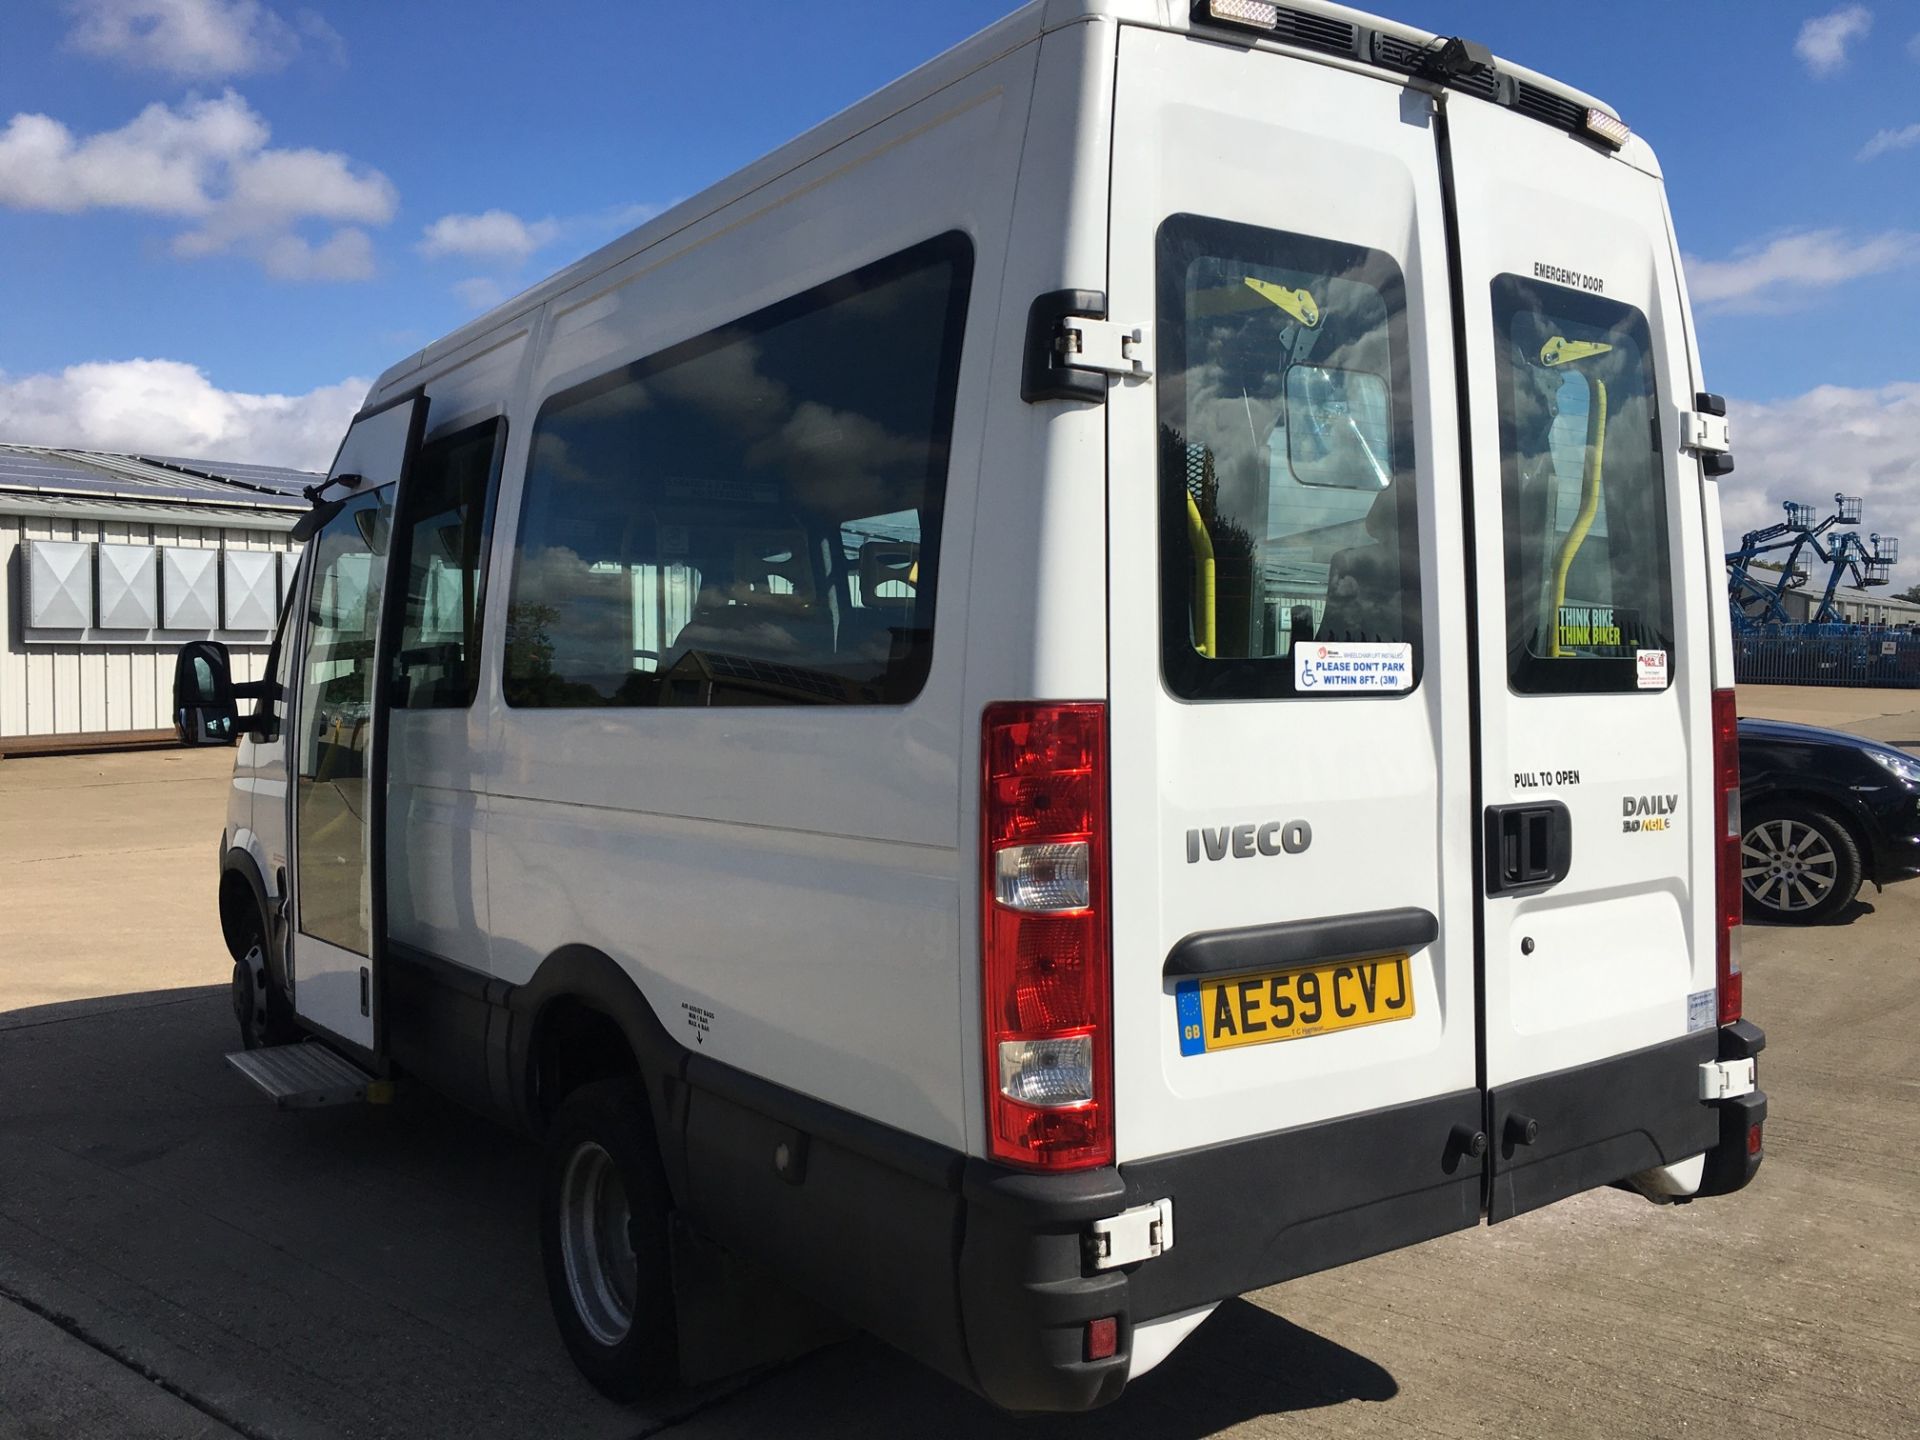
(1592, 628)
(338, 791)
(1292, 887)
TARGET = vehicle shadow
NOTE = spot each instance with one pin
(1858, 910)
(374, 1270)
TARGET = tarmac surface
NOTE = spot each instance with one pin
(179, 1259)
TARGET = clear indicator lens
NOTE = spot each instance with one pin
(1044, 878)
(1047, 1072)
(1245, 12)
(1609, 128)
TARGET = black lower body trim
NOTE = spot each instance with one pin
(1260, 1211)
(1556, 1135)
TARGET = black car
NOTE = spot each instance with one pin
(1822, 810)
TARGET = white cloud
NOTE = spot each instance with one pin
(1913, 47)
(1863, 442)
(208, 162)
(1824, 40)
(491, 235)
(1904, 138)
(191, 39)
(167, 407)
(479, 292)
(1784, 273)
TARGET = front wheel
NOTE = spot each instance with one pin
(258, 1003)
(603, 1234)
(1799, 864)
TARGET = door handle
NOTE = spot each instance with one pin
(1529, 847)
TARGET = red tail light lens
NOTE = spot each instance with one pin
(1046, 972)
(1726, 823)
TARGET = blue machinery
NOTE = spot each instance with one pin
(1772, 562)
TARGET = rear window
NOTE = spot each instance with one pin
(1288, 531)
(1583, 494)
(752, 517)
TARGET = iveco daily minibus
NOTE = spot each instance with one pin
(1100, 684)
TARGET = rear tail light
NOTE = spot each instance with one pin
(1726, 829)
(1046, 964)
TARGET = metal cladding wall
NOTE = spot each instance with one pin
(101, 688)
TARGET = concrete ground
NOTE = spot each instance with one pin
(179, 1259)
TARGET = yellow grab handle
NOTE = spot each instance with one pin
(1202, 575)
(1589, 508)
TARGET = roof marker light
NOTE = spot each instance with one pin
(1251, 14)
(1610, 128)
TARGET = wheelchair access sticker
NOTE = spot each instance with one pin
(1343, 665)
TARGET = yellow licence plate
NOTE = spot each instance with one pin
(1291, 1004)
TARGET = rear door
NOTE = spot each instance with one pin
(1592, 639)
(1292, 884)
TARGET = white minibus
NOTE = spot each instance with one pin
(1100, 684)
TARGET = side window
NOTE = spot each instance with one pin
(1288, 513)
(752, 517)
(1583, 493)
(441, 533)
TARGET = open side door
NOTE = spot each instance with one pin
(339, 710)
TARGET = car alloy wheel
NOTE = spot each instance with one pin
(1788, 865)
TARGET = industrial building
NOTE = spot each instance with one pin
(110, 563)
(1856, 606)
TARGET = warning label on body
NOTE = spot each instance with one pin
(1346, 666)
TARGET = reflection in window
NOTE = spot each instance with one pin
(1286, 459)
(336, 721)
(443, 537)
(741, 520)
(1583, 490)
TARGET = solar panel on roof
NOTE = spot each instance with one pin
(130, 477)
(273, 477)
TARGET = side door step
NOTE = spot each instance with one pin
(308, 1075)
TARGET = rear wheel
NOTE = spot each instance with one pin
(1798, 864)
(603, 1231)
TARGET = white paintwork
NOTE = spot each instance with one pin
(1669, 1182)
(1384, 780)
(804, 880)
(1154, 1340)
(1628, 936)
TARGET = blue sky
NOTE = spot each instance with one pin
(266, 200)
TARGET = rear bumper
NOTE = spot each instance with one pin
(983, 1272)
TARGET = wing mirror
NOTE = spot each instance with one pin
(204, 707)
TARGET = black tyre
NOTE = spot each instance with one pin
(264, 1013)
(1799, 864)
(604, 1212)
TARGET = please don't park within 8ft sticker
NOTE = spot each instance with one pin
(1339, 665)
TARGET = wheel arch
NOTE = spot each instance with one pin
(243, 898)
(580, 1018)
